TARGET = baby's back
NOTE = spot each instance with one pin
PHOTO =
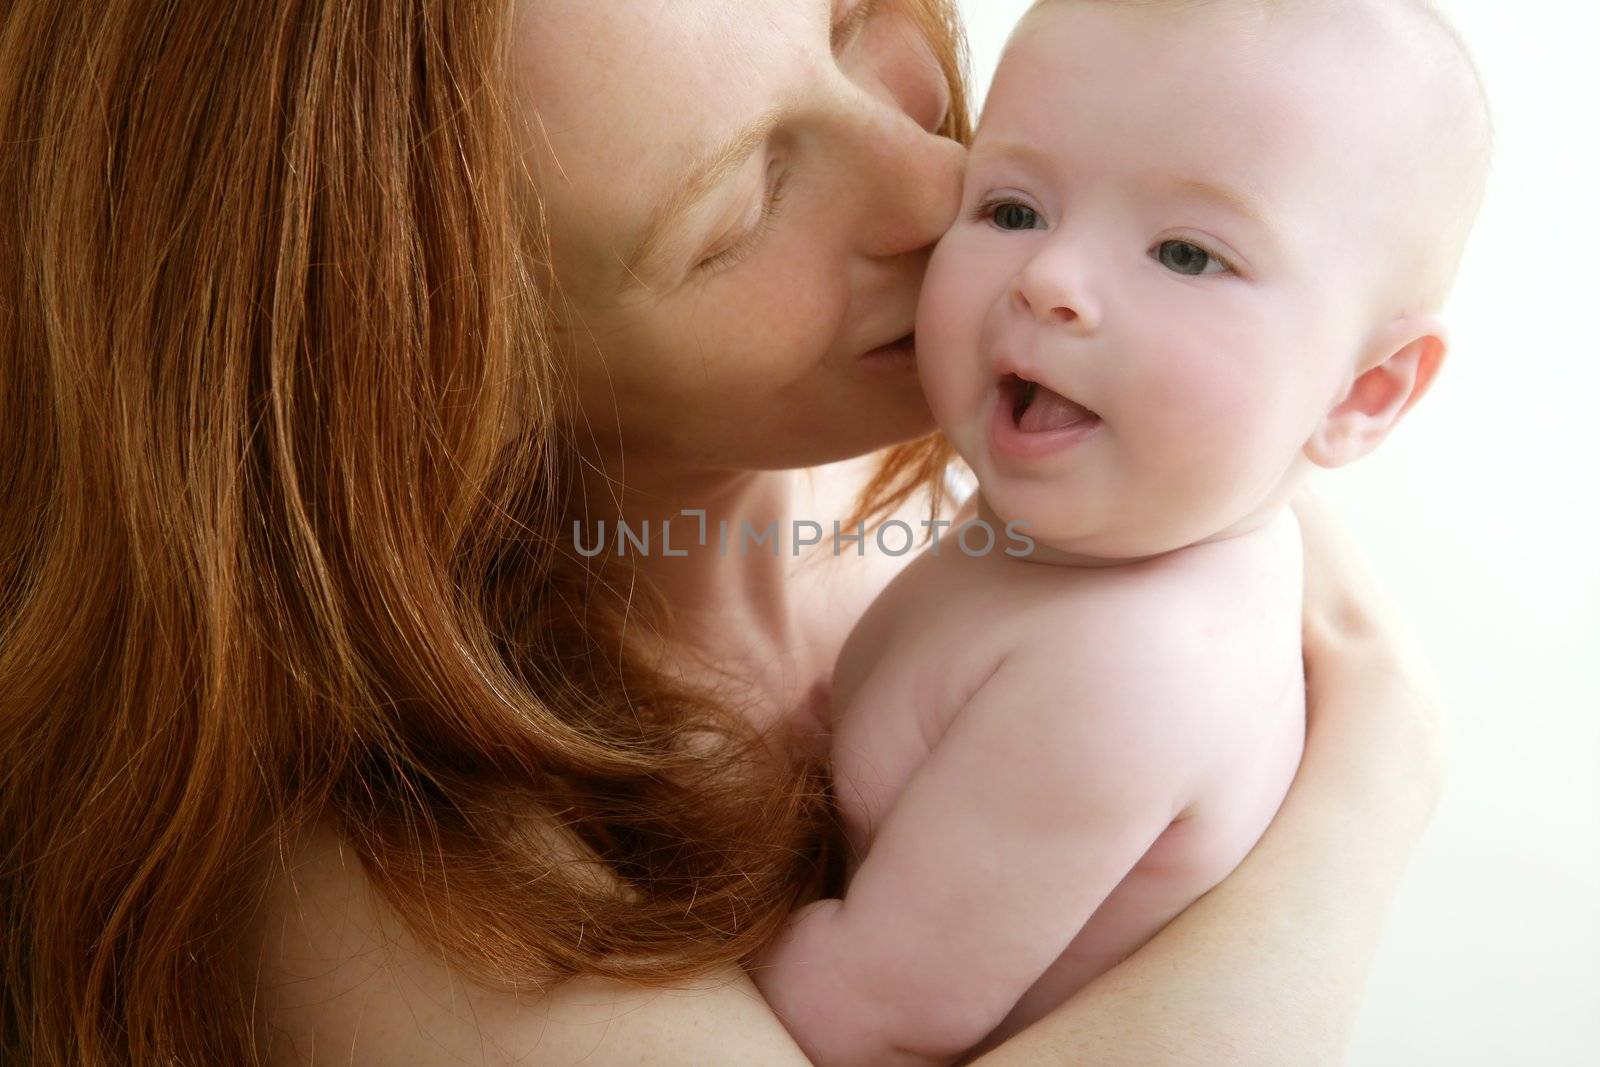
(943, 628)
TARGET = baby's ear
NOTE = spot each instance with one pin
(1395, 371)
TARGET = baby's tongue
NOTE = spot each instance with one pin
(1052, 411)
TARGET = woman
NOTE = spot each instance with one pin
(320, 324)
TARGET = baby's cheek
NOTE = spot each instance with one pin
(1201, 414)
(939, 369)
(1192, 392)
(950, 358)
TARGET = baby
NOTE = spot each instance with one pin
(1201, 250)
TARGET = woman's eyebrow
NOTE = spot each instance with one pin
(698, 181)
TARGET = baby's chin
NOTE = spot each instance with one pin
(1051, 534)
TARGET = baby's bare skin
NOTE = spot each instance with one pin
(1195, 259)
(1211, 756)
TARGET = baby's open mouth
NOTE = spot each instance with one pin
(1036, 409)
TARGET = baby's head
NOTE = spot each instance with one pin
(1203, 245)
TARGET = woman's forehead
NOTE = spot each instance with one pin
(631, 88)
(623, 96)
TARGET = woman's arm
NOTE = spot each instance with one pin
(1269, 967)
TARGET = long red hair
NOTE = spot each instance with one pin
(280, 536)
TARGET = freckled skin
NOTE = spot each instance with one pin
(754, 365)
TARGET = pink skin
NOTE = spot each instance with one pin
(1163, 232)
(754, 339)
(702, 380)
(1207, 395)
(752, 344)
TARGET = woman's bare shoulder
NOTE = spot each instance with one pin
(341, 981)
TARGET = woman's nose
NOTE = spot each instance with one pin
(917, 174)
(909, 73)
(915, 186)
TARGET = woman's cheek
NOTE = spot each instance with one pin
(777, 311)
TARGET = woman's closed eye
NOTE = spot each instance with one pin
(849, 18)
(744, 244)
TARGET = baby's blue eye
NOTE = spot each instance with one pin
(1182, 257)
(1011, 216)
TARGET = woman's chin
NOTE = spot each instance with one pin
(837, 443)
(889, 426)
(828, 419)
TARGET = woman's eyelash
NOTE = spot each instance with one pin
(747, 244)
(845, 30)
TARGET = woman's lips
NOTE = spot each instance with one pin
(1030, 421)
(901, 353)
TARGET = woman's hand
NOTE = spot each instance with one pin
(1358, 644)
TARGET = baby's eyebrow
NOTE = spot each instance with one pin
(1240, 201)
(1251, 206)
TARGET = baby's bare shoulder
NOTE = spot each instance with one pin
(1202, 596)
(1172, 648)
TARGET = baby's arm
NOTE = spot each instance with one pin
(1044, 792)
(1270, 967)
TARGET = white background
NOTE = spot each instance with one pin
(1481, 513)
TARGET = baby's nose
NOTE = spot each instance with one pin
(1053, 295)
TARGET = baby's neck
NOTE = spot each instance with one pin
(1055, 556)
